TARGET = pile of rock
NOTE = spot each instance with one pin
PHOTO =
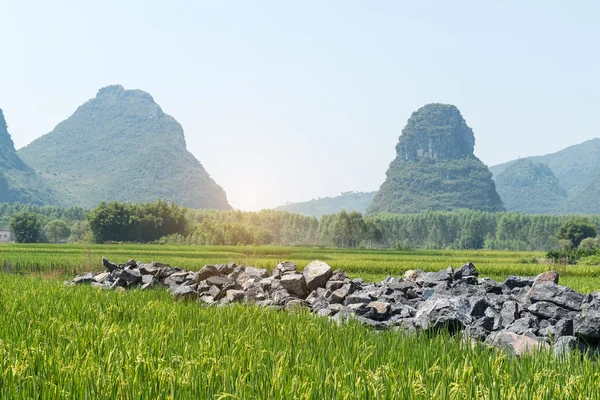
(518, 314)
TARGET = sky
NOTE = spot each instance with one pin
(286, 101)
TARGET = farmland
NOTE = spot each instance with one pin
(58, 341)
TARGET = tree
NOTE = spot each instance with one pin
(26, 227)
(575, 231)
(56, 230)
(341, 227)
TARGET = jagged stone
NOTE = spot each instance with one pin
(109, 265)
(251, 273)
(316, 274)
(295, 284)
(559, 295)
(537, 309)
(467, 270)
(206, 272)
(509, 312)
(131, 276)
(233, 295)
(547, 310)
(437, 313)
(185, 292)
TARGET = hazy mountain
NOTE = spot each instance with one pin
(530, 187)
(577, 169)
(18, 182)
(349, 201)
(574, 166)
(121, 146)
(435, 168)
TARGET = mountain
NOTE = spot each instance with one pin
(18, 182)
(530, 187)
(574, 166)
(577, 170)
(349, 201)
(121, 146)
(435, 168)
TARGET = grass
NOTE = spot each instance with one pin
(85, 343)
(59, 341)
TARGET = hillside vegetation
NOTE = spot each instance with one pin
(530, 187)
(577, 171)
(349, 201)
(435, 168)
(121, 146)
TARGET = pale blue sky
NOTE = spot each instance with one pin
(287, 101)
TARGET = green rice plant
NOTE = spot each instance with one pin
(58, 342)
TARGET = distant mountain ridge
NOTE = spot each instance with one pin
(530, 187)
(18, 182)
(576, 190)
(349, 201)
(572, 166)
(435, 168)
(121, 146)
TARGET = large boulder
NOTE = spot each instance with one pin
(444, 312)
(316, 274)
(559, 295)
(295, 284)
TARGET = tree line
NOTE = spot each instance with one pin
(170, 224)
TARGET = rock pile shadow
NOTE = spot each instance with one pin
(520, 314)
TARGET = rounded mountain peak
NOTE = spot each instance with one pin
(436, 131)
(117, 92)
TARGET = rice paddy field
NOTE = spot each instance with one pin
(68, 342)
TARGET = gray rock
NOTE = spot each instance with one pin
(490, 286)
(233, 295)
(110, 266)
(339, 295)
(251, 273)
(215, 293)
(467, 270)
(509, 312)
(206, 272)
(283, 268)
(339, 275)
(220, 281)
(559, 295)
(565, 345)
(430, 279)
(357, 298)
(280, 296)
(517, 281)
(564, 327)
(295, 284)
(131, 276)
(85, 278)
(148, 281)
(226, 269)
(547, 310)
(438, 313)
(381, 309)
(316, 274)
(334, 285)
(523, 325)
(185, 292)
(413, 274)
(478, 307)
(516, 344)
